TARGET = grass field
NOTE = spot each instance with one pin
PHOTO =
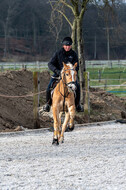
(109, 79)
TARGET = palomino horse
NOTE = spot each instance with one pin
(63, 100)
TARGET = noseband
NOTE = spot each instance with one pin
(70, 83)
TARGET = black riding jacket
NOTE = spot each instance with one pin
(62, 56)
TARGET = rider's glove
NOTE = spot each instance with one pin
(57, 71)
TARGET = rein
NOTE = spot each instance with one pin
(63, 79)
(64, 88)
(64, 96)
(66, 84)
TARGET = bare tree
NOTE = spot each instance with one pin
(56, 20)
(10, 9)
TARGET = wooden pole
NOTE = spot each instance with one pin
(86, 97)
(2, 68)
(99, 75)
(105, 87)
(38, 89)
(35, 101)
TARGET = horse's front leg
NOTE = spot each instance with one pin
(72, 115)
(56, 125)
(60, 127)
(67, 117)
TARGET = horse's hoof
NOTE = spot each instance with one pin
(61, 140)
(68, 129)
(55, 142)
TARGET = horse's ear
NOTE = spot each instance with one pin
(75, 65)
(64, 64)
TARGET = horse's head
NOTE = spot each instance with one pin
(69, 74)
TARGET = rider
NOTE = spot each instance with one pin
(65, 54)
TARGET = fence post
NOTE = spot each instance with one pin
(105, 87)
(15, 66)
(111, 64)
(38, 89)
(86, 97)
(22, 66)
(2, 68)
(99, 75)
(35, 101)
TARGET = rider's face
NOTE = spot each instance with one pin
(67, 48)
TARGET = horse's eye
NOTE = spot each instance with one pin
(67, 74)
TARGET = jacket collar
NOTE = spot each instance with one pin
(66, 52)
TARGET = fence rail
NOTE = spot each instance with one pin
(101, 86)
(105, 63)
(26, 65)
(109, 79)
(102, 81)
(41, 65)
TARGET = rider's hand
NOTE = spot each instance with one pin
(57, 71)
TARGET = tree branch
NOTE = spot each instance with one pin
(83, 8)
(65, 17)
(73, 2)
(61, 12)
(67, 5)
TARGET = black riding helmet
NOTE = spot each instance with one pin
(67, 41)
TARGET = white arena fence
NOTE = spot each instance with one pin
(26, 65)
(105, 63)
(44, 65)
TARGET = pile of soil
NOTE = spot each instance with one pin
(105, 107)
(17, 112)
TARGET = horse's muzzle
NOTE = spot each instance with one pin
(72, 86)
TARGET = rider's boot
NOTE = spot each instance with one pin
(79, 107)
(47, 106)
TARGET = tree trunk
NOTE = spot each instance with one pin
(6, 32)
(73, 35)
(80, 57)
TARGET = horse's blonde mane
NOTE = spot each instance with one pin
(68, 64)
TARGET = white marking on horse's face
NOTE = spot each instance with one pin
(72, 71)
(72, 87)
(72, 74)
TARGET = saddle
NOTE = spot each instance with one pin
(54, 84)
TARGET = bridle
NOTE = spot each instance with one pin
(72, 82)
(65, 95)
(66, 84)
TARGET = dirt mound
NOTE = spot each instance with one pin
(18, 111)
(106, 106)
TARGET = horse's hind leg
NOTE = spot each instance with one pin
(67, 117)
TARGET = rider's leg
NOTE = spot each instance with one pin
(48, 96)
(79, 108)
